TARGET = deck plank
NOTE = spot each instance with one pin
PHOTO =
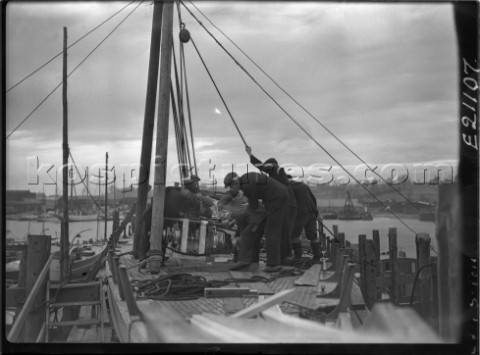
(310, 277)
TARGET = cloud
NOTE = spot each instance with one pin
(382, 77)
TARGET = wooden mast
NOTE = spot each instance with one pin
(64, 258)
(106, 195)
(139, 246)
(158, 205)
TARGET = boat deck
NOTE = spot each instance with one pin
(302, 299)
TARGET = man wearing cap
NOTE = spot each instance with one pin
(274, 196)
(191, 191)
(271, 167)
(250, 224)
(307, 213)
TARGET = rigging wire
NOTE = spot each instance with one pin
(74, 69)
(183, 78)
(289, 116)
(181, 119)
(218, 91)
(180, 150)
(303, 108)
(189, 115)
(86, 186)
(71, 45)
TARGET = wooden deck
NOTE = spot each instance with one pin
(303, 298)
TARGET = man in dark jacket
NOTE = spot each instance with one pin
(274, 171)
(307, 213)
(274, 196)
(250, 224)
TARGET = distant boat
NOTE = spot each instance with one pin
(328, 214)
(366, 215)
(83, 217)
(83, 257)
(350, 212)
(427, 216)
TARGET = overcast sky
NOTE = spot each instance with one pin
(381, 76)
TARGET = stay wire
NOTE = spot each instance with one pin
(304, 109)
(177, 133)
(74, 69)
(289, 116)
(183, 77)
(71, 45)
(181, 113)
(218, 91)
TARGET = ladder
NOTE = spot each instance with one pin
(69, 298)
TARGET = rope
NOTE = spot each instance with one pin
(183, 76)
(180, 150)
(416, 279)
(291, 118)
(78, 40)
(219, 93)
(303, 108)
(174, 287)
(182, 57)
(88, 55)
(182, 140)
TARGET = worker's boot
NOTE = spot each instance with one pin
(297, 251)
(315, 245)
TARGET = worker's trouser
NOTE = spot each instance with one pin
(275, 231)
(308, 222)
(288, 226)
(250, 239)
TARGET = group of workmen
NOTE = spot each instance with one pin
(269, 204)
(287, 208)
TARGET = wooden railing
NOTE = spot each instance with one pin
(16, 329)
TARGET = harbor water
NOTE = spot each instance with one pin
(88, 230)
(93, 230)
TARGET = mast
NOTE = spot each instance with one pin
(106, 195)
(64, 258)
(99, 196)
(139, 247)
(158, 204)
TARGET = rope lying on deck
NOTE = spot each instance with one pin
(184, 286)
(174, 287)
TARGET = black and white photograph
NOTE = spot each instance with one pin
(240, 176)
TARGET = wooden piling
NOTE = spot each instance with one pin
(39, 250)
(393, 250)
(333, 252)
(424, 282)
(341, 239)
(22, 272)
(361, 260)
(335, 232)
(376, 246)
(328, 248)
(372, 293)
